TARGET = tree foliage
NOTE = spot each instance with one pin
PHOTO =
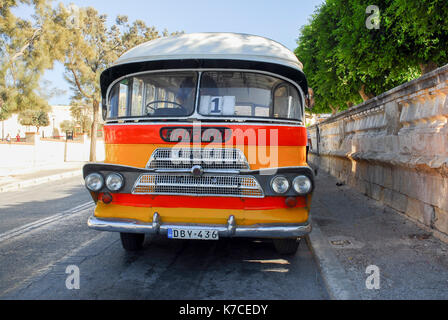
(347, 63)
(80, 39)
(28, 47)
(67, 125)
(35, 118)
(90, 48)
(82, 116)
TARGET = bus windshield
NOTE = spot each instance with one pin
(230, 94)
(154, 95)
(250, 95)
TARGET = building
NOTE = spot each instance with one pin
(57, 114)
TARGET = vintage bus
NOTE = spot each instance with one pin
(205, 138)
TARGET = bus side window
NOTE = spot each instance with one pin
(113, 112)
(137, 97)
(286, 102)
(123, 99)
(280, 102)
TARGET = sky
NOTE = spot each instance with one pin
(278, 20)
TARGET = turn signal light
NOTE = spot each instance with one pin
(107, 198)
(291, 202)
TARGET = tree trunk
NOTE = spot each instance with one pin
(3, 120)
(427, 67)
(334, 110)
(363, 93)
(94, 131)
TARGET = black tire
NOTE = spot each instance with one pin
(132, 241)
(287, 246)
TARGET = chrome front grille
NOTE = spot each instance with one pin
(207, 158)
(183, 184)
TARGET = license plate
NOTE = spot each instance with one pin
(193, 234)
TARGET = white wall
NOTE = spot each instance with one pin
(45, 152)
(56, 116)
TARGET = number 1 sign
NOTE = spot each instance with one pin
(219, 105)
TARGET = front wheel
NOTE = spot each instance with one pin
(132, 241)
(287, 246)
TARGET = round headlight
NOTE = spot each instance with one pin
(280, 184)
(302, 184)
(114, 181)
(94, 181)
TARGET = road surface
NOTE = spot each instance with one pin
(43, 233)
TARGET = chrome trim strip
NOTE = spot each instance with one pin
(239, 160)
(270, 171)
(207, 123)
(206, 171)
(240, 188)
(228, 230)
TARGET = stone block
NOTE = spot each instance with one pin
(441, 220)
(399, 201)
(414, 209)
(397, 175)
(368, 188)
(387, 178)
(437, 191)
(404, 143)
(360, 185)
(411, 184)
(428, 215)
(387, 197)
(377, 175)
(376, 192)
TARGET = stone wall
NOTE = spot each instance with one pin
(394, 148)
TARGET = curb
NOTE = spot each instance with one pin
(335, 278)
(33, 182)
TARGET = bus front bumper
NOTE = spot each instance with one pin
(229, 230)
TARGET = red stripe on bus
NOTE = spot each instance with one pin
(261, 135)
(166, 201)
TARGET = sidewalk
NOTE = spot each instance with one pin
(352, 232)
(15, 179)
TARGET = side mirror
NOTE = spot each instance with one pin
(309, 101)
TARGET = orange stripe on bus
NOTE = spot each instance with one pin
(137, 155)
(202, 215)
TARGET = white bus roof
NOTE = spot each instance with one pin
(234, 46)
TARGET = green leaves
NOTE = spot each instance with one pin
(36, 118)
(346, 63)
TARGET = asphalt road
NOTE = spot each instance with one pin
(43, 231)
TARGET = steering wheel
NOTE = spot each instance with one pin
(150, 109)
